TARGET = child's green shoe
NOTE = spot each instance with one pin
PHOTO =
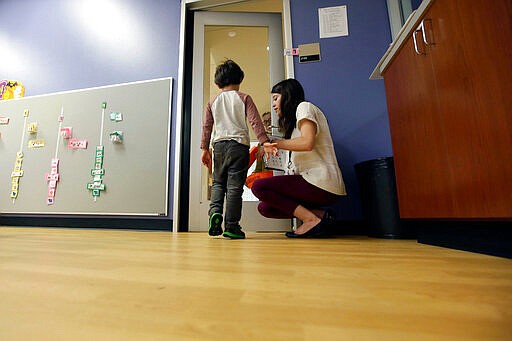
(215, 225)
(234, 232)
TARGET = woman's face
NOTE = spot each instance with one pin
(276, 103)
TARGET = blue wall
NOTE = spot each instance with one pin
(56, 45)
(354, 105)
(415, 4)
(60, 45)
(48, 46)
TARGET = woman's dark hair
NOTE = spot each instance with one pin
(228, 73)
(292, 94)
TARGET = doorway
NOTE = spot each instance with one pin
(191, 195)
(254, 41)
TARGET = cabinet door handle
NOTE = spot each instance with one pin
(416, 43)
(424, 33)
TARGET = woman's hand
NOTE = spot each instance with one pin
(270, 148)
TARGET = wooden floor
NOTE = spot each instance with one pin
(77, 284)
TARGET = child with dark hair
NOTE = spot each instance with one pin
(225, 127)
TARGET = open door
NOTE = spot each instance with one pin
(254, 41)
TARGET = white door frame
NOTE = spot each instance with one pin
(197, 4)
(199, 206)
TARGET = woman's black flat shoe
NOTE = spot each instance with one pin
(315, 232)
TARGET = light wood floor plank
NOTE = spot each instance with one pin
(78, 284)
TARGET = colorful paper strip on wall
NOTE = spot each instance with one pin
(52, 178)
(97, 185)
(18, 171)
(16, 175)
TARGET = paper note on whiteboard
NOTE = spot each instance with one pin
(333, 21)
(36, 143)
(77, 144)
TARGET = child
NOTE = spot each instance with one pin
(226, 115)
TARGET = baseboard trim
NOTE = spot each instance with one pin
(134, 223)
(397, 230)
(487, 237)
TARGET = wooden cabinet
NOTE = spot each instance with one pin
(449, 95)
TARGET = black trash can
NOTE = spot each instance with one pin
(379, 198)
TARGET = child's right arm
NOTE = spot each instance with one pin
(206, 159)
(207, 127)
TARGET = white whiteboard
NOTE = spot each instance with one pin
(136, 171)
